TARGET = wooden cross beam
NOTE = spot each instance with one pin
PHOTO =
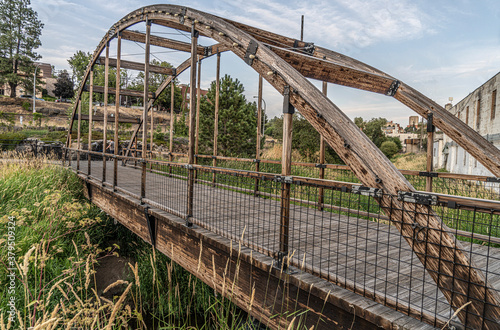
(124, 92)
(161, 42)
(137, 66)
(109, 119)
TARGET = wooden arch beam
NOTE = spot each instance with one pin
(124, 64)
(442, 255)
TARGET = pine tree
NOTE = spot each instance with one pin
(237, 120)
(64, 86)
(20, 31)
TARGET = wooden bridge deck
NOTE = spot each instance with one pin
(353, 252)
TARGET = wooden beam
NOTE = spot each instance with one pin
(78, 134)
(124, 92)
(91, 110)
(138, 66)
(198, 100)
(117, 109)
(161, 42)
(192, 123)
(321, 194)
(129, 120)
(105, 115)
(216, 115)
(259, 129)
(172, 114)
(286, 170)
(146, 90)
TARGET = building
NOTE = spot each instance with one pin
(480, 111)
(186, 95)
(392, 129)
(44, 72)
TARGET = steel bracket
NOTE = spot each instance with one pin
(417, 198)
(207, 51)
(393, 89)
(428, 174)
(287, 106)
(189, 166)
(367, 191)
(151, 226)
(309, 48)
(251, 51)
(320, 165)
(182, 14)
(283, 179)
(430, 123)
(493, 179)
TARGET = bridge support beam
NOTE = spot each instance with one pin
(322, 147)
(259, 137)
(117, 108)
(146, 92)
(91, 90)
(192, 125)
(105, 123)
(78, 144)
(216, 115)
(286, 170)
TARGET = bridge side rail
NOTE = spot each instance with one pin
(350, 242)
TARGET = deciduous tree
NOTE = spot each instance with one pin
(64, 86)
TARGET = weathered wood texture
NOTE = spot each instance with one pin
(222, 265)
(130, 65)
(124, 92)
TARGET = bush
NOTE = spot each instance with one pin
(26, 105)
(389, 148)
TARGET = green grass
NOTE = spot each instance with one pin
(60, 239)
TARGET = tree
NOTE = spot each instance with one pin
(20, 31)
(78, 63)
(237, 120)
(389, 148)
(64, 86)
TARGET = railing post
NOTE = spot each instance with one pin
(146, 91)
(286, 170)
(105, 122)
(91, 93)
(430, 152)
(192, 125)
(198, 100)
(117, 109)
(216, 118)
(143, 180)
(321, 195)
(171, 133)
(78, 136)
(259, 129)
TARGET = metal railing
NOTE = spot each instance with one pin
(337, 230)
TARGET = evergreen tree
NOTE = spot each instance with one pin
(64, 86)
(20, 31)
(237, 120)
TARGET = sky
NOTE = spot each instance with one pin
(442, 48)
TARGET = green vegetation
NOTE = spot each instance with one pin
(19, 38)
(60, 240)
(237, 120)
(64, 86)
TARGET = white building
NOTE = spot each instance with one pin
(480, 111)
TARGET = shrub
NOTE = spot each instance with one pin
(389, 148)
(26, 105)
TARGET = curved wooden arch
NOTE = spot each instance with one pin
(288, 69)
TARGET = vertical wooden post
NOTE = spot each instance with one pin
(171, 134)
(91, 92)
(146, 92)
(286, 170)
(192, 125)
(430, 151)
(321, 195)
(78, 136)
(117, 109)
(198, 99)
(216, 118)
(259, 129)
(105, 122)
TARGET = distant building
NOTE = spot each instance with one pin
(44, 72)
(480, 111)
(392, 129)
(186, 95)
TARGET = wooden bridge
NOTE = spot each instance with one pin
(365, 251)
